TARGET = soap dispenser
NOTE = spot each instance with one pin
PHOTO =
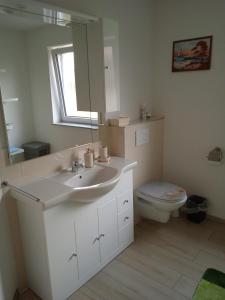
(88, 159)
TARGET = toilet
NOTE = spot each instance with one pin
(158, 200)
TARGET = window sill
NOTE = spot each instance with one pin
(84, 126)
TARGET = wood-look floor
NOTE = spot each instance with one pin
(166, 261)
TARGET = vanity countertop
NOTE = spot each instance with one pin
(120, 163)
(152, 119)
(50, 191)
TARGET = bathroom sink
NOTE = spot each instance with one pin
(88, 183)
(85, 187)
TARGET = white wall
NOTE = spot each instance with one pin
(193, 102)
(14, 83)
(135, 42)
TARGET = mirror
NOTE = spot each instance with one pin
(37, 82)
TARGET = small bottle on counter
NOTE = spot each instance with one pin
(103, 155)
(88, 159)
(103, 152)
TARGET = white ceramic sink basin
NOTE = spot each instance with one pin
(87, 186)
(88, 183)
(94, 177)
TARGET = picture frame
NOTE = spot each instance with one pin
(192, 54)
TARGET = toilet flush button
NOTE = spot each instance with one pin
(142, 136)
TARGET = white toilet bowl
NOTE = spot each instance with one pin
(157, 200)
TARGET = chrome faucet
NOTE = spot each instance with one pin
(77, 166)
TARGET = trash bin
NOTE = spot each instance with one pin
(196, 208)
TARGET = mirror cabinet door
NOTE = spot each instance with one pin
(81, 66)
(4, 157)
(39, 111)
(103, 58)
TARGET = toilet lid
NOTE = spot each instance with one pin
(162, 191)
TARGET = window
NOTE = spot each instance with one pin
(64, 76)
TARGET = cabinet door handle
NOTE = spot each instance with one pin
(95, 240)
(72, 256)
(101, 235)
(126, 218)
(125, 201)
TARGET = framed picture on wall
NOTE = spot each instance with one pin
(192, 54)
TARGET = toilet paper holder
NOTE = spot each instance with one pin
(215, 155)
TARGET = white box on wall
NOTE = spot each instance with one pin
(141, 136)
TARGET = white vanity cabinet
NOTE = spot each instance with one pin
(67, 244)
(96, 235)
(108, 232)
(61, 250)
(87, 237)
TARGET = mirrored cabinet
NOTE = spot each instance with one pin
(58, 70)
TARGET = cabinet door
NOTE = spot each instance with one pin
(108, 229)
(61, 252)
(87, 237)
(79, 32)
(103, 60)
(96, 65)
(111, 59)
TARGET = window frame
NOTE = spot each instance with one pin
(54, 51)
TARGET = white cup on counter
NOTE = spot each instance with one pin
(103, 152)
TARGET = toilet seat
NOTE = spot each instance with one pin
(162, 192)
(158, 200)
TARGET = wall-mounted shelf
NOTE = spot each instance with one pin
(9, 126)
(9, 100)
(15, 151)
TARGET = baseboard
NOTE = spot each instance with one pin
(209, 217)
(216, 219)
(19, 292)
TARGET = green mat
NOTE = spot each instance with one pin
(211, 286)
